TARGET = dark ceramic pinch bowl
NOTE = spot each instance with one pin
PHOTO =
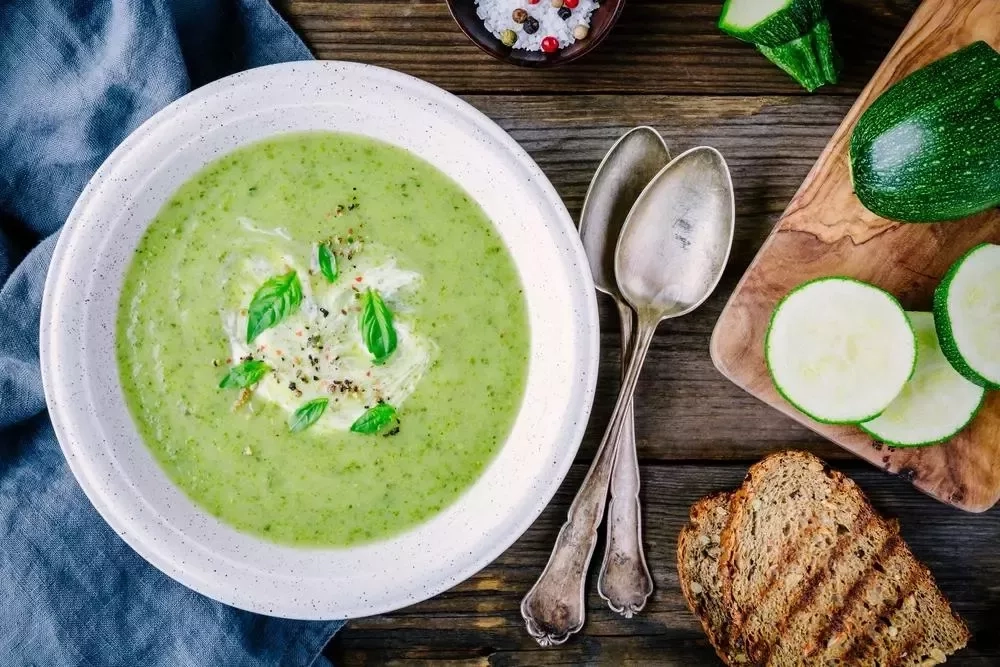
(601, 23)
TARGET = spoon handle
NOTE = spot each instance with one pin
(624, 582)
(554, 608)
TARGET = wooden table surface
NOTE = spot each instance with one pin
(664, 65)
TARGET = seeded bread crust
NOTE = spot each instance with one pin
(698, 551)
(808, 573)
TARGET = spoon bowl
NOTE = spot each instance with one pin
(676, 241)
(624, 581)
(631, 163)
(669, 258)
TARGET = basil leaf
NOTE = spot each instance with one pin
(244, 375)
(376, 326)
(273, 301)
(375, 419)
(307, 414)
(327, 262)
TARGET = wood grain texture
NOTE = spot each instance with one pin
(658, 46)
(770, 144)
(665, 65)
(826, 231)
(478, 623)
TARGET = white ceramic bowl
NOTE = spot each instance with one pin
(97, 433)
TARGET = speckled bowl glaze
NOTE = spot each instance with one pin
(99, 437)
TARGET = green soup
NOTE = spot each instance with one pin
(395, 227)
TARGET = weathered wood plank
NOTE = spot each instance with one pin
(657, 47)
(685, 409)
(478, 622)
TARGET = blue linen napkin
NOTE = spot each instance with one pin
(76, 77)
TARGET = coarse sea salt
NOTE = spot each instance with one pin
(497, 16)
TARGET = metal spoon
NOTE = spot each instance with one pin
(624, 581)
(671, 253)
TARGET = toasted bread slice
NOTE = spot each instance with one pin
(698, 551)
(810, 574)
(895, 620)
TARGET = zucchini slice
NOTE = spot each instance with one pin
(840, 350)
(935, 404)
(928, 149)
(967, 315)
(793, 34)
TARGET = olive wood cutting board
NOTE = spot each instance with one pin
(826, 231)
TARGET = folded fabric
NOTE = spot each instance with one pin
(76, 77)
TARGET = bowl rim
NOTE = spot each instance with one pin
(589, 339)
(505, 54)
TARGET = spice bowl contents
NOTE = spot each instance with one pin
(536, 33)
(537, 25)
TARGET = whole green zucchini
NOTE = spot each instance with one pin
(928, 149)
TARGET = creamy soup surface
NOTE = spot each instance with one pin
(364, 317)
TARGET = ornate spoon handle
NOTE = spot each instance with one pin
(554, 607)
(624, 582)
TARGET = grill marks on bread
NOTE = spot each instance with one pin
(781, 535)
(807, 573)
(847, 622)
(827, 588)
(882, 597)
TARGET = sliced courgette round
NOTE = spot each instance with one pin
(935, 404)
(967, 315)
(840, 350)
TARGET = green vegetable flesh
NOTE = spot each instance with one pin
(811, 59)
(967, 315)
(840, 350)
(793, 34)
(770, 22)
(936, 403)
(928, 149)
